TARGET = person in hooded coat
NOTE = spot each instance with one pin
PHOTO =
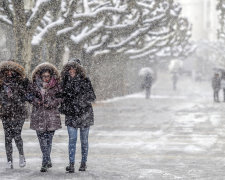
(216, 85)
(77, 95)
(45, 117)
(13, 110)
(222, 84)
(147, 85)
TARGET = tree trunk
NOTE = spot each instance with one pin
(59, 52)
(87, 61)
(55, 51)
(23, 51)
(27, 54)
(36, 56)
(22, 36)
(51, 44)
(75, 51)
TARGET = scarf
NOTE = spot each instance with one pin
(8, 89)
(45, 86)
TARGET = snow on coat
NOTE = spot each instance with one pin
(13, 91)
(77, 94)
(45, 115)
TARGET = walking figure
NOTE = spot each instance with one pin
(45, 117)
(216, 84)
(78, 95)
(13, 89)
(222, 84)
(147, 85)
(175, 79)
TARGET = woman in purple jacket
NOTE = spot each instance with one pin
(45, 117)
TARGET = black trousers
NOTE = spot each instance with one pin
(216, 95)
(13, 128)
(147, 92)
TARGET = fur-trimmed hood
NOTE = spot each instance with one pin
(74, 65)
(11, 65)
(44, 66)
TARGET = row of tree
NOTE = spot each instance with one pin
(137, 28)
(221, 10)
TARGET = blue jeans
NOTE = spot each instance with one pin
(45, 140)
(84, 132)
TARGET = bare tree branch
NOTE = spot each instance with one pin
(38, 12)
(4, 19)
(7, 11)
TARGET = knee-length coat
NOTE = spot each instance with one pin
(45, 115)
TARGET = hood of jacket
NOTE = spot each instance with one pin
(78, 67)
(13, 66)
(45, 66)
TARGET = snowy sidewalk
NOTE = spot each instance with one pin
(167, 137)
(136, 138)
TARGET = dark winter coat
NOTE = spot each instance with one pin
(13, 92)
(148, 81)
(216, 83)
(77, 94)
(45, 118)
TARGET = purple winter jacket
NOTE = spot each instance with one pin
(45, 118)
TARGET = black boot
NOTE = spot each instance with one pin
(70, 168)
(44, 168)
(49, 164)
(83, 166)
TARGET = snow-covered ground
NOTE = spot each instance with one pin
(174, 135)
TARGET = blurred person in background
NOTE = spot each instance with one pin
(216, 85)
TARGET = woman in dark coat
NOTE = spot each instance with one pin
(77, 94)
(45, 117)
(13, 111)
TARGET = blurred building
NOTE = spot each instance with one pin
(203, 16)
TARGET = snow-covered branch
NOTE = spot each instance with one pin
(100, 12)
(44, 32)
(5, 4)
(4, 19)
(98, 46)
(86, 33)
(221, 9)
(38, 12)
(135, 27)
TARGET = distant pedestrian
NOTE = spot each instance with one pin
(216, 85)
(45, 117)
(77, 94)
(222, 83)
(13, 111)
(147, 84)
(174, 80)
